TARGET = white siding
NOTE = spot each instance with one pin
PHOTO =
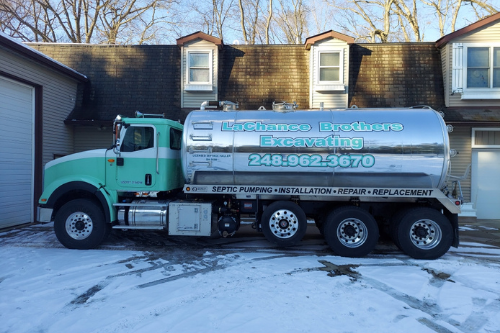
(88, 137)
(193, 99)
(489, 34)
(460, 140)
(59, 94)
(446, 61)
(331, 99)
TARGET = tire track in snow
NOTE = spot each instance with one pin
(474, 322)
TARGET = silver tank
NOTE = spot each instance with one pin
(383, 148)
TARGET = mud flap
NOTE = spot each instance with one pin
(454, 223)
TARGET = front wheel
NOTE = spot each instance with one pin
(284, 223)
(80, 224)
(351, 232)
(424, 233)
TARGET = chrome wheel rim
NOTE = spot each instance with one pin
(425, 234)
(352, 233)
(284, 223)
(79, 225)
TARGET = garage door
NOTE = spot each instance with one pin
(16, 151)
(486, 183)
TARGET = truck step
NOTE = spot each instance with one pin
(139, 227)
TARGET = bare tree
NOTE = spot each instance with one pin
(291, 21)
(212, 15)
(443, 9)
(268, 20)
(374, 16)
(408, 16)
(77, 21)
(321, 16)
(395, 20)
(251, 20)
(482, 8)
(255, 20)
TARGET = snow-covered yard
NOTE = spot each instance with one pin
(240, 285)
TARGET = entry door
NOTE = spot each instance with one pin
(485, 179)
(135, 166)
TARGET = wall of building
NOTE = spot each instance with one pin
(123, 79)
(258, 75)
(395, 75)
(331, 99)
(193, 99)
(58, 99)
(487, 35)
(91, 137)
(460, 140)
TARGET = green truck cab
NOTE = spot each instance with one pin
(82, 190)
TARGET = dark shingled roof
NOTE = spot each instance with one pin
(30, 53)
(477, 116)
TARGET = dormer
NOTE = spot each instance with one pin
(199, 68)
(471, 64)
(329, 69)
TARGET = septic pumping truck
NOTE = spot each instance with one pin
(355, 172)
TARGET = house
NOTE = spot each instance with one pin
(36, 95)
(329, 71)
(470, 59)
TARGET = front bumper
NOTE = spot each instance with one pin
(44, 214)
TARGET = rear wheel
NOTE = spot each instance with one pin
(424, 233)
(284, 223)
(80, 224)
(351, 232)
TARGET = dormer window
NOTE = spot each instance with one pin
(199, 67)
(483, 67)
(476, 70)
(329, 67)
(330, 74)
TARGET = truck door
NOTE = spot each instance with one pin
(135, 164)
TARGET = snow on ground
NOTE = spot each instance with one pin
(243, 286)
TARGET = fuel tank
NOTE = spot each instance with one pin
(386, 148)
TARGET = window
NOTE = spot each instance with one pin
(483, 67)
(329, 66)
(477, 75)
(175, 139)
(199, 64)
(330, 69)
(137, 138)
(485, 138)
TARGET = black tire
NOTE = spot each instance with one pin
(80, 224)
(351, 232)
(284, 223)
(424, 233)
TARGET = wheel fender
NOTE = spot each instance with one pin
(105, 198)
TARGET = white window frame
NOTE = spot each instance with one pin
(479, 93)
(479, 129)
(196, 85)
(330, 85)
